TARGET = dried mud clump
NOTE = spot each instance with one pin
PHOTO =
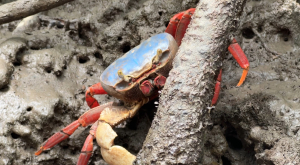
(47, 64)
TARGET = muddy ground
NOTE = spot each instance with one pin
(47, 64)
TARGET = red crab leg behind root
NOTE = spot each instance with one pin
(87, 148)
(217, 89)
(183, 24)
(95, 89)
(84, 120)
(237, 52)
(172, 26)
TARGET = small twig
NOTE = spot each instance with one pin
(265, 46)
(23, 8)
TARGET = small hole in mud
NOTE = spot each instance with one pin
(29, 109)
(17, 63)
(225, 161)
(65, 67)
(247, 33)
(160, 13)
(284, 34)
(73, 152)
(11, 27)
(83, 60)
(4, 89)
(166, 24)
(14, 135)
(259, 29)
(120, 38)
(65, 147)
(48, 70)
(234, 143)
(266, 146)
(98, 55)
(126, 48)
(60, 25)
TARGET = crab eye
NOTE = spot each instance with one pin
(120, 73)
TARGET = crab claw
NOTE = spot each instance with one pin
(239, 55)
(160, 81)
(105, 135)
(147, 88)
(113, 155)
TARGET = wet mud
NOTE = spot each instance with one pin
(48, 60)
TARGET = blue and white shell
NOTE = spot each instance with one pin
(137, 61)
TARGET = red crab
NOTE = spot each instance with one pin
(135, 78)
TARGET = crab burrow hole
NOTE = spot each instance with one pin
(232, 139)
(28, 109)
(248, 33)
(285, 34)
(83, 59)
(48, 69)
(225, 161)
(126, 47)
(160, 13)
(166, 23)
(98, 55)
(15, 136)
(5, 88)
(260, 28)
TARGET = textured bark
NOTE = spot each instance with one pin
(178, 131)
(23, 8)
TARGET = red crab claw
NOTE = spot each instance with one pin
(160, 81)
(179, 23)
(95, 89)
(84, 120)
(237, 52)
(147, 88)
(217, 89)
(172, 26)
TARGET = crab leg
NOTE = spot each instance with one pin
(84, 120)
(87, 149)
(217, 89)
(237, 52)
(95, 89)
